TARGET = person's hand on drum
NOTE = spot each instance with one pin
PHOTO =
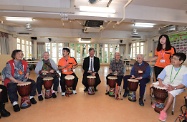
(161, 84)
(52, 71)
(93, 74)
(138, 78)
(27, 76)
(89, 71)
(116, 73)
(132, 77)
(19, 82)
(170, 88)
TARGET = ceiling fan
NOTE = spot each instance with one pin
(134, 34)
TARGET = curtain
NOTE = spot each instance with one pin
(4, 45)
(40, 49)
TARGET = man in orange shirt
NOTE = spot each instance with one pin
(66, 64)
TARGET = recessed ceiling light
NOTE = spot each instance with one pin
(27, 19)
(138, 24)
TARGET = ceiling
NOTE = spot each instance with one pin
(47, 14)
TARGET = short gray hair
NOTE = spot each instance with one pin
(140, 55)
(45, 52)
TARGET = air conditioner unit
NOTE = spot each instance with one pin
(92, 29)
(93, 26)
(169, 28)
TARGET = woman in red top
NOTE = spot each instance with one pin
(163, 54)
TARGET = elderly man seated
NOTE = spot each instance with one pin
(141, 72)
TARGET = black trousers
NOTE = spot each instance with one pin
(157, 71)
(12, 90)
(85, 82)
(40, 82)
(119, 79)
(62, 82)
(4, 97)
(142, 84)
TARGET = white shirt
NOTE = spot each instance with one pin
(92, 63)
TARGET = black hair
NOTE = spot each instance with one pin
(14, 53)
(168, 45)
(181, 56)
(67, 49)
(91, 49)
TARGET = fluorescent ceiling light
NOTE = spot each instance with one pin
(84, 40)
(143, 24)
(27, 19)
(97, 9)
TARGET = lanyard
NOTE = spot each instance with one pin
(162, 53)
(171, 81)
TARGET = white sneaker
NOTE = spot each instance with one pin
(74, 92)
(63, 94)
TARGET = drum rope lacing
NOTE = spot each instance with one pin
(171, 81)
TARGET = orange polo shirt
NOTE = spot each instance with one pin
(163, 57)
(71, 61)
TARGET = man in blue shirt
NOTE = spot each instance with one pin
(140, 71)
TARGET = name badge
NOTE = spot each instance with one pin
(162, 61)
(140, 71)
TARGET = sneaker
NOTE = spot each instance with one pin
(141, 103)
(33, 101)
(16, 108)
(74, 92)
(162, 116)
(4, 112)
(40, 98)
(107, 93)
(63, 94)
(125, 94)
(54, 95)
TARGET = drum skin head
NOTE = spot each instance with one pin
(132, 80)
(24, 84)
(69, 77)
(112, 77)
(48, 78)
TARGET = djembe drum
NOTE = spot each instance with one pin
(69, 80)
(48, 82)
(91, 83)
(112, 80)
(24, 90)
(132, 86)
(160, 94)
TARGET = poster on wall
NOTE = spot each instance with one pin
(179, 41)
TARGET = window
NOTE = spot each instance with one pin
(137, 48)
(26, 47)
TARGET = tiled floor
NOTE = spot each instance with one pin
(90, 108)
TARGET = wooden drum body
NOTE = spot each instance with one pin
(160, 94)
(112, 80)
(91, 83)
(48, 82)
(132, 86)
(69, 80)
(24, 90)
